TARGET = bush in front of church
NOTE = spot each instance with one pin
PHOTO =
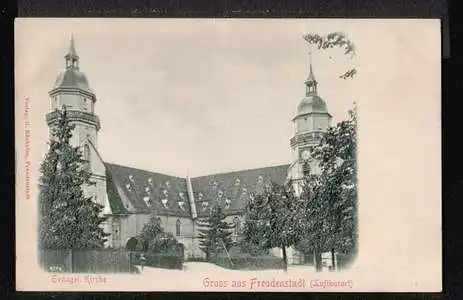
(247, 256)
(165, 260)
(161, 251)
(244, 246)
(245, 261)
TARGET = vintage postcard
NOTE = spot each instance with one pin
(243, 155)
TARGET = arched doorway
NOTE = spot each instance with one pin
(181, 249)
(132, 244)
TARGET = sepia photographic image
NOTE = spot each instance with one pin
(228, 155)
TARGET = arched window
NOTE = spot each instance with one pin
(116, 232)
(236, 222)
(86, 152)
(177, 227)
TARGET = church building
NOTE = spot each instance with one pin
(129, 194)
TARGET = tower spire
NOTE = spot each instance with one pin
(311, 82)
(311, 76)
(72, 59)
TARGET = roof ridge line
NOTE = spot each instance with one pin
(195, 177)
(144, 170)
(238, 171)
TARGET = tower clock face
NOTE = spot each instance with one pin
(305, 154)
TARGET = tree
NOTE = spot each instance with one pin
(338, 161)
(214, 232)
(270, 219)
(331, 40)
(311, 215)
(329, 213)
(151, 232)
(67, 219)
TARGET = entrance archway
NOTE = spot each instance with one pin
(132, 244)
(181, 248)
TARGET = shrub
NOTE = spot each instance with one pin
(198, 259)
(248, 262)
(161, 260)
(250, 248)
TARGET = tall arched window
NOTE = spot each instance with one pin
(177, 227)
(87, 156)
(236, 222)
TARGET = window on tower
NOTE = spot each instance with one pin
(87, 156)
(84, 104)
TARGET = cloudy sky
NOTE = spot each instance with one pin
(209, 95)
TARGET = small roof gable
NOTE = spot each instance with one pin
(144, 191)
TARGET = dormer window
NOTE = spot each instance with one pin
(267, 187)
(165, 203)
(237, 181)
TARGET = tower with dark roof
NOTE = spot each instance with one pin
(71, 90)
(310, 123)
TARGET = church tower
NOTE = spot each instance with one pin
(71, 89)
(310, 123)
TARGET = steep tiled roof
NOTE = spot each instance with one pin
(132, 190)
(232, 190)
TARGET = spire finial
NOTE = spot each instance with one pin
(72, 48)
(311, 76)
(311, 83)
(71, 57)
